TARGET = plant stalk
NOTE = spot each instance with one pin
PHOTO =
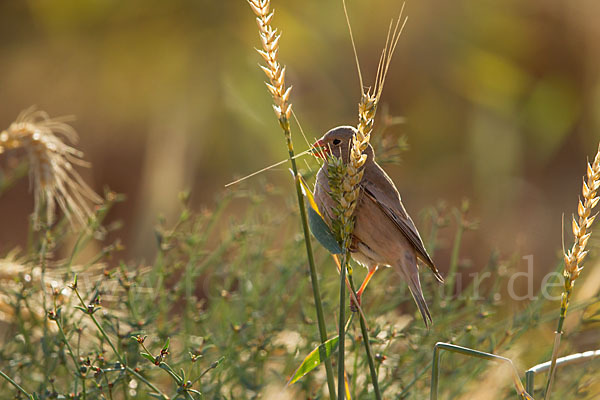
(119, 356)
(557, 337)
(16, 385)
(285, 125)
(454, 257)
(342, 334)
(367, 343)
(71, 353)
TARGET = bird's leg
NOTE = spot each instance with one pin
(362, 288)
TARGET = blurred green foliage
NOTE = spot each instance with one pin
(234, 308)
(498, 99)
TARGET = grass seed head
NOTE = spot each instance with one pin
(52, 176)
(582, 223)
(349, 189)
(273, 70)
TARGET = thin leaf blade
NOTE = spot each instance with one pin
(318, 226)
(313, 359)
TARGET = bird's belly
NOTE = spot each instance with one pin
(364, 255)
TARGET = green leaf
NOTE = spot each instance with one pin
(166, 346)
(318, 226)
(322, 233)
(313, 359)
(148, 357)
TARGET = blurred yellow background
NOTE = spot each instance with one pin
(500, 100)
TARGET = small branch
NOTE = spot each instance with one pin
(16, 385)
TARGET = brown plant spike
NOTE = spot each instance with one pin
(52, 176)
(575, 256)
(367, 108)
(581, 227)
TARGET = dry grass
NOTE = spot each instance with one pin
(274, 71)
(574, 258)
(283, 110)
(367, 108)
(581, 227)
(52, 176)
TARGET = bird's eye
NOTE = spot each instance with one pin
(336, 142)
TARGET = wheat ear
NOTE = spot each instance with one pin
(575, 256)
(274, 71)
(283, 109)
(581, 226)
(344, 182)
(52, 176)
(367, 108)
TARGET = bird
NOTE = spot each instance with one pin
(384, 234)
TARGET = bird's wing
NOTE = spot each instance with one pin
(385, 195)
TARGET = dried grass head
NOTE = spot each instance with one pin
(52, 176)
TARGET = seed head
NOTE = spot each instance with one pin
(52, 176)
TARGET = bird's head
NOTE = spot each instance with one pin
(337, 141)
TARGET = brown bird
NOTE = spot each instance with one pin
(384, 233)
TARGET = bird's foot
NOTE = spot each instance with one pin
(354, 305)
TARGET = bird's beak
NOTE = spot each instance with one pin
(319, 149)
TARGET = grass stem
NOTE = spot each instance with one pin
(454, 256)
(283, 109)
(365, 335)
(71, 353)
(119, 356)
(311, 260)
(16, 385)
(342, 334)
(557, 337)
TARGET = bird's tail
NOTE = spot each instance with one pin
(410, 274)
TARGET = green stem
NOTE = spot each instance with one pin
(146, 382)
(101, 329)
(119, 356)
(561, 362)
(285, 125)
(557, 336)
(43, 264)
(354, 371)
(170, 371)
(342, 334)
(367, 343)
(16, 385)
(76, 364)
(212, 366)
(454, 257)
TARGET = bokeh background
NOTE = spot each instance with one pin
(500, 101)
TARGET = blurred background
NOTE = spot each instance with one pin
(499, 101)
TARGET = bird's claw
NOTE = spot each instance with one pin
(354, 305)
